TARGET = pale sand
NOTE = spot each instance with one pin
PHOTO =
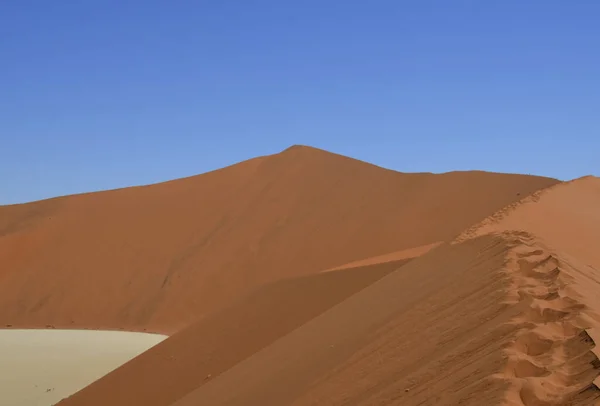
(390, 257)
(41, 367)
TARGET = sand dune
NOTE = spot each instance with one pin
(314, 279)
(158, 257)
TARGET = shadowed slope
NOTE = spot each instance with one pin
(205, 349)
(158, 257)
(430, 333)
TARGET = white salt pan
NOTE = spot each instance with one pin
(41, 367)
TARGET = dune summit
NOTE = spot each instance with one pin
(308, 278)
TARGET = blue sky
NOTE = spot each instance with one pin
(104, 94)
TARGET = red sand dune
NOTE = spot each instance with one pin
(158, 257)
(498, 304)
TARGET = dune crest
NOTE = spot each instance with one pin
(555, 267)
(553, 359)
(571, 201)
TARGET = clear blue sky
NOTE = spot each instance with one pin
(109, 93)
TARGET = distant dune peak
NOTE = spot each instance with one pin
(299, 147)
(307, 150)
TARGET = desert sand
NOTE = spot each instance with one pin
(308, 278)
(41, 367)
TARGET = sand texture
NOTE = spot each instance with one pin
(308, 278)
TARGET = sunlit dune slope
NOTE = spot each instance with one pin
(158, 257)
(209, 347)
(566, 216)
(390, 257)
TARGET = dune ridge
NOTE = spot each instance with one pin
(555, 267)
(506, 216)
(552, 360)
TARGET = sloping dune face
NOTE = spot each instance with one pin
(506, 315)
(158, 257)
(430, 333)
(204, 350)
